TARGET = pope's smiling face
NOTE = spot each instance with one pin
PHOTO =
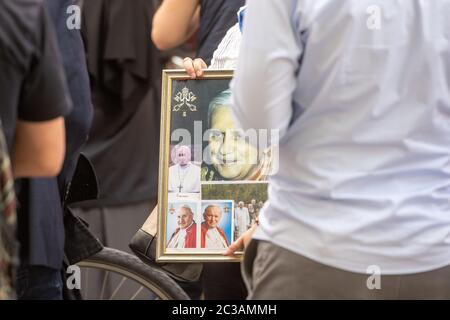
(212, 216)
(184, 218)
(230, 154)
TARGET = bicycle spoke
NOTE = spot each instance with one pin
(118, 288)
(137, 292)
(104, 284)
(119, 275)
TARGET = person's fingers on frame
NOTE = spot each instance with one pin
(235, 246)
(199, 65)
(188, 65)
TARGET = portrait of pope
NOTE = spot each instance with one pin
(184, 176)
(229, 155)
(185, 235)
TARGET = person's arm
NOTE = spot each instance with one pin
(39, 148)
(242, 242)
(174, 22)
(265, 79)
(39, 145)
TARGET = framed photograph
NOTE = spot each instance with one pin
(212, 176)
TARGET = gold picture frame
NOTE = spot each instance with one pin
(200, 208)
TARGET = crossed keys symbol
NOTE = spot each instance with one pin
(184, 98)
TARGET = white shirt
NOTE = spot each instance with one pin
(242, 219)
(214, 240)
(187, 178)
(364, 117)
(227, 53)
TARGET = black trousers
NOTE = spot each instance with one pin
(39, 283)
(223, 281)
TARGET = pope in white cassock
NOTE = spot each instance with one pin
(184, 176)
(242, 219)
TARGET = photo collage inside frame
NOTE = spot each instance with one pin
(214, 191)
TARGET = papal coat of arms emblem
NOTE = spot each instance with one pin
(184, 99)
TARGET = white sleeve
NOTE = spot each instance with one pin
(226, 54)
(267, 66)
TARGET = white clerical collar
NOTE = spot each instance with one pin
(184, 167)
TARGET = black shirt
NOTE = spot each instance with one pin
(31, 79)
(217, 16)
(125, 73)
(33, 88)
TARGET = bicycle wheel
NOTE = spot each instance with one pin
(113, 274)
